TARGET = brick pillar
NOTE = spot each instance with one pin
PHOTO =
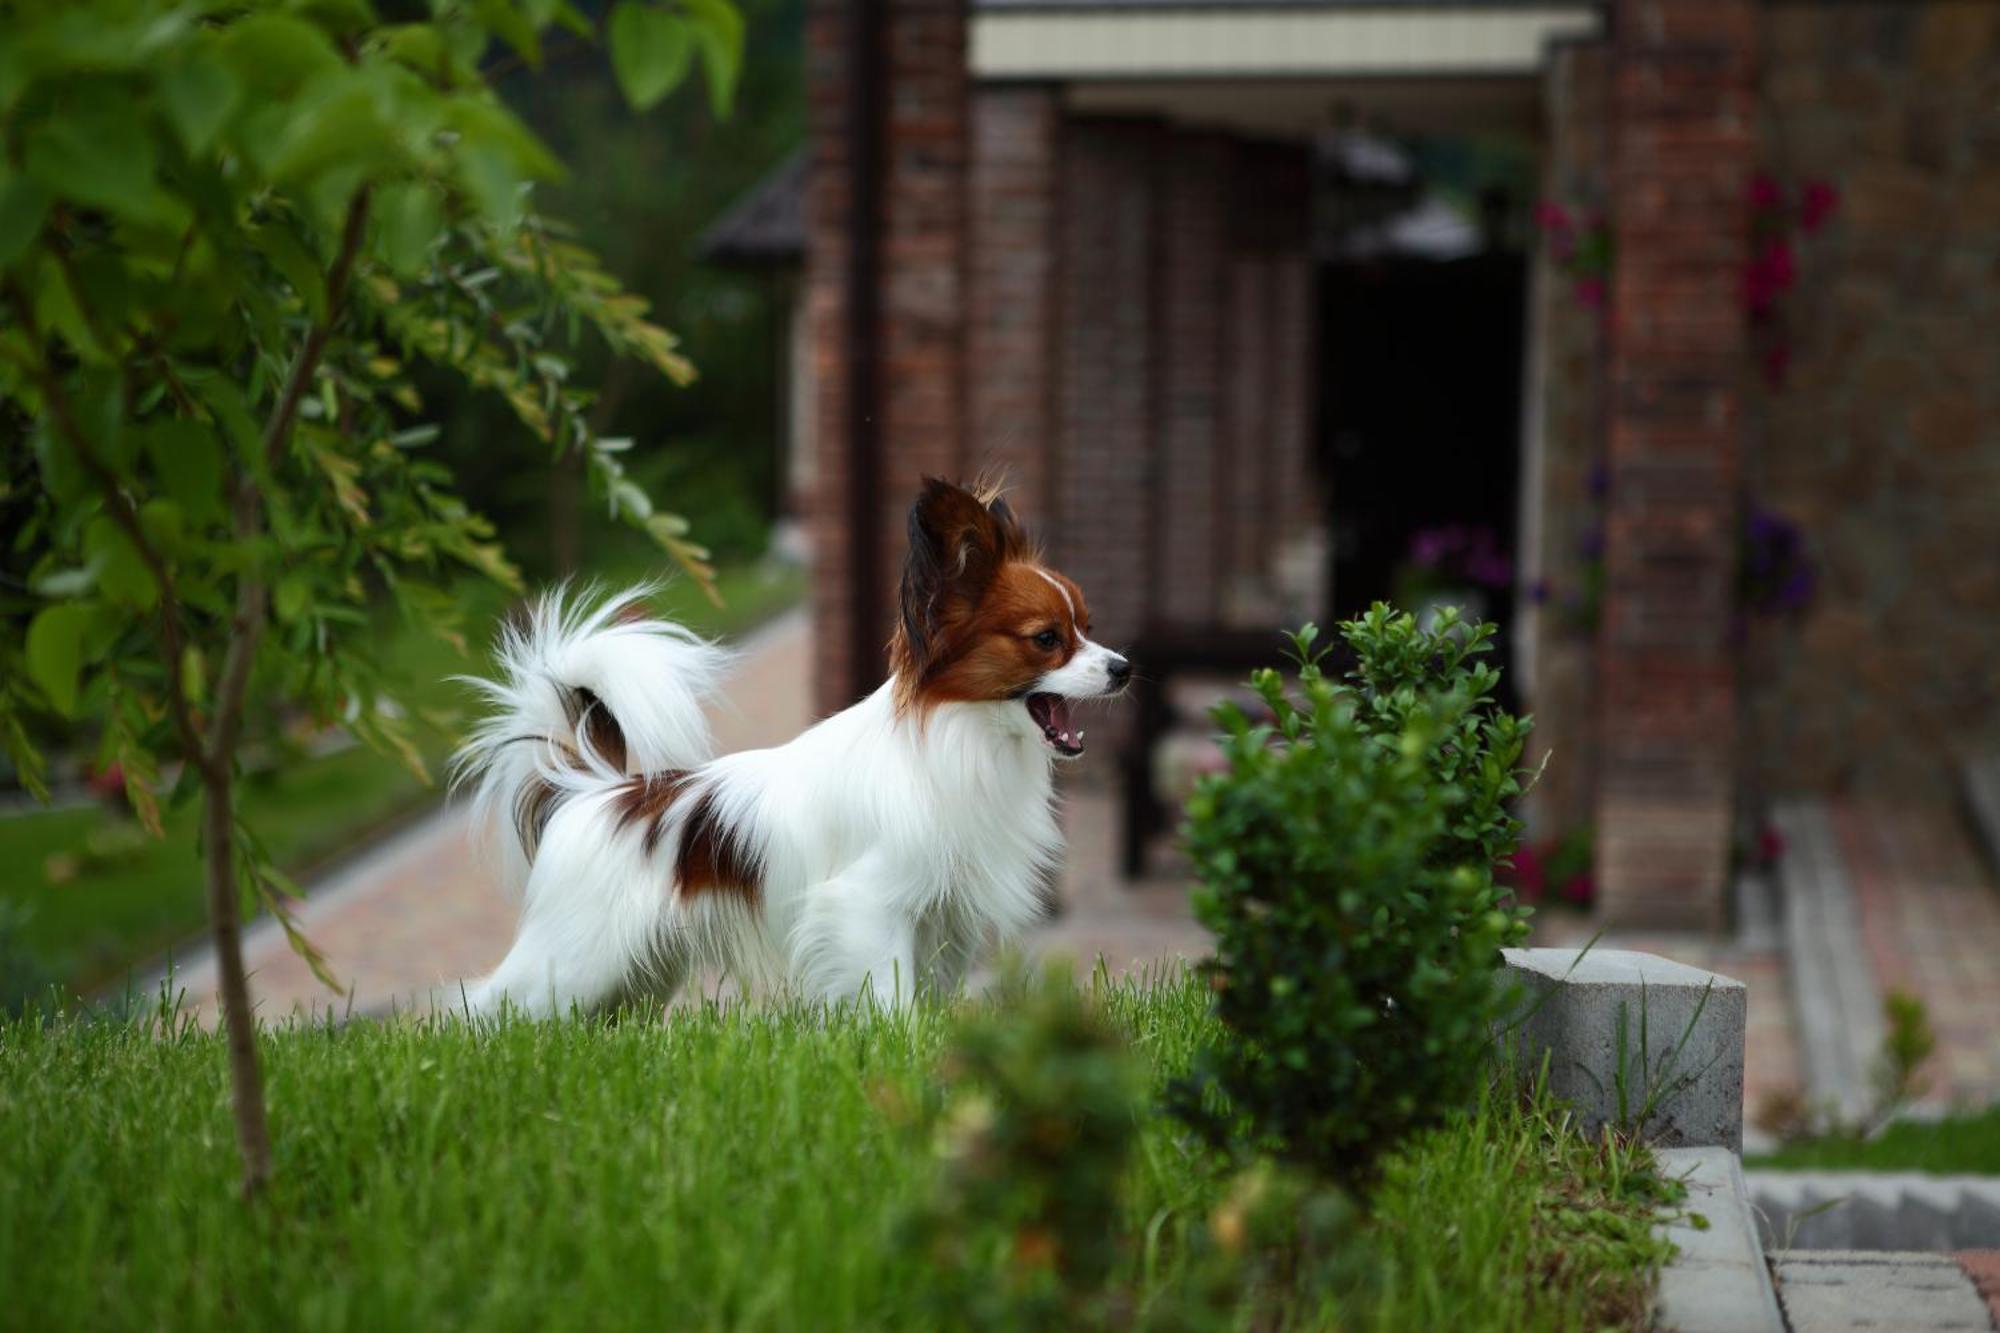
(1193, 282)
(1103, 485)
(1682, 148)
(916, 111)
(1564, 443)
(1010, 335)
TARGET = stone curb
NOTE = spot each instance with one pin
(1717, 1282)
(1835, 998)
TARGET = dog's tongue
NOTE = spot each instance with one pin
(1051, 714)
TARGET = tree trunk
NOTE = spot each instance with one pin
(225, 920)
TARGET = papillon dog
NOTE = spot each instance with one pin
(878, 852)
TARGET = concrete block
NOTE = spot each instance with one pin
(1717, 1281)
(1634, 1040)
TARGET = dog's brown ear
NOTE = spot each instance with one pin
(958, 542)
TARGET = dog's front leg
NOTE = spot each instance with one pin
(855, 938)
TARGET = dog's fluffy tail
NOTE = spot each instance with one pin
(590, 689)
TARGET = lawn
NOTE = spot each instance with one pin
(1959, 1144)
(742, 1169)
(89, 896)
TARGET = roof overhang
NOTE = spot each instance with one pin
(1069, 42)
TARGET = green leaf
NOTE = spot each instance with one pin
(506, 23)
(187, 465)
(346, 124)
(292, 259)
(23, 205)
(410, 218)
(292, 595)
(650, 52)
(55, 648)
(121, 570)
(199, 94)
(97, 152)
(718, 34)
(277, 54)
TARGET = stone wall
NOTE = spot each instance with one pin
(1883, 441)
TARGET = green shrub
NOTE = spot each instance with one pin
(1033, 1138)
(1347, 862)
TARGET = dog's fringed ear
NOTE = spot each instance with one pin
(958, 542)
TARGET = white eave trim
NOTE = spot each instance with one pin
(1273, 43)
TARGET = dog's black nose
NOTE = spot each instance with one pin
(1119, 670)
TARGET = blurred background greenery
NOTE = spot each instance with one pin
(641, 190)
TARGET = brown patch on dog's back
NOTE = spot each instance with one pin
(712, 857)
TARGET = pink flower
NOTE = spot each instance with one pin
(1592, 292)
(1551, 216)
(1782, 264)
(1766, 196)
(1817, 204)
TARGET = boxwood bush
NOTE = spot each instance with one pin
(1346, 858)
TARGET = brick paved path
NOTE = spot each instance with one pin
(1930, 922)
(404, 921)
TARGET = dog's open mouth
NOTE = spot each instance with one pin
(1059, 733)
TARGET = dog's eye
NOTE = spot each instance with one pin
(1047, 640)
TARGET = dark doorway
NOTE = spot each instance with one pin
(1420, 427)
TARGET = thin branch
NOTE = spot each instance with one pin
(247, 625)
(279, 429)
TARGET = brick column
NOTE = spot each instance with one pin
(912, 110)
(1010, 335)
(1682, 148)
(1193, 282)
(1564, 444)
(1106, 345)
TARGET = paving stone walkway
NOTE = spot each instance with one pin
(1879, 1291)
(404, 921)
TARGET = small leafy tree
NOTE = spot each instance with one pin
(1346, 859)
(230, 230)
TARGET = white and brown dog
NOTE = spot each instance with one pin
(879, 851)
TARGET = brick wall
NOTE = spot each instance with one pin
(1102, 529)
(1682, 148)
(1009, 366)
(1883, 441)
(1193, 355)
(1115, 313)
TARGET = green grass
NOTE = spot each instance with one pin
(94, 896)
(748, 1169)
(1959, 1144)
